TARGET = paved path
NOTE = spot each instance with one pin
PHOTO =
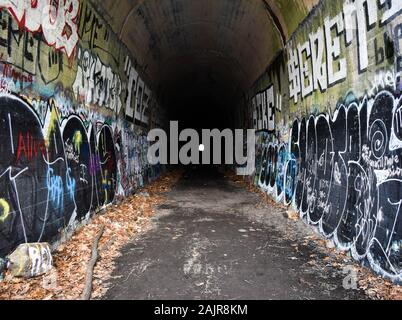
(215, 240)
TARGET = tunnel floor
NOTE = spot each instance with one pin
(212, 239)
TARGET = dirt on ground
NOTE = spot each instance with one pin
(122, 223)
(201, 234)
(215, 237)
(374, 286)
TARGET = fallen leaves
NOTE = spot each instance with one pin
(292, 215)
(375, 287)
(122, 222)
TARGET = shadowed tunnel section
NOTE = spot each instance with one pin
(319, 81)
(203, 56)
(82, 83)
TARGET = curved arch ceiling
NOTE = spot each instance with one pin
(225, 43)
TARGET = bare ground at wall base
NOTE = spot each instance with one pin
(210, 237)
(373, 286)
(214, 239)
(122, 222)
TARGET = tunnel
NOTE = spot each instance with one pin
(316, 84)
(201, 56)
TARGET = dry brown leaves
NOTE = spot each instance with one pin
(122, 222)
(377, 287)
(374, 286)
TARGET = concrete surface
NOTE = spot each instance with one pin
(214, 240)
(234, 40)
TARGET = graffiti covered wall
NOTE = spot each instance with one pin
(74, 115)
(329, 120)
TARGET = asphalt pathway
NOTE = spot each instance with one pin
(214, 240)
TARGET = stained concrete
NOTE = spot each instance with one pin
(212, 239)
(176, 41)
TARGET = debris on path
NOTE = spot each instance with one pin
(122, 223)
(375, 287)
(86, 295)
(30, 260)
(213, 240)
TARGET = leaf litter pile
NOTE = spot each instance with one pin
(121, 224)
(374, 286)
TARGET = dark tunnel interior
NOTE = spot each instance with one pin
(200, 102)
(202, 57)
(309, 90)
(201, 91)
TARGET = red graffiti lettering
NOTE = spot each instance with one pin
(30, 148)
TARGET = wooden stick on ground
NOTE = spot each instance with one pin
(86, 295)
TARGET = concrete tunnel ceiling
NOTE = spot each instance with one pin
(227, 43)
(322, 89)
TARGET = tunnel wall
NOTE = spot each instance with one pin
(74, 115)
(328, 113)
